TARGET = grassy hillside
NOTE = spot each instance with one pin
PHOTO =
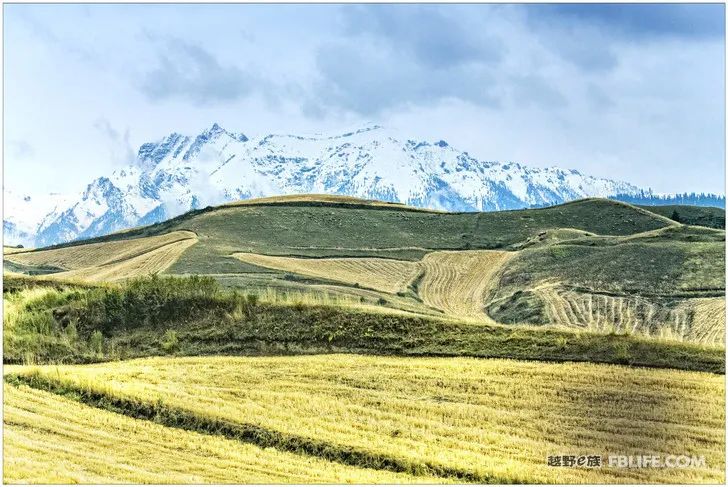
(328, 339)
(705, 216)
(358, 228)
(9, 249)
(68, 323)
(650, 283)
(458, 419)
(592, 264)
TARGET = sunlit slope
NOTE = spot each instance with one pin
(345, 227)
(593, 264)
(326, 199)
(489, 420)
(7, 250)
(653, 283)
(386, 275)
(108, 261)
(50, 439)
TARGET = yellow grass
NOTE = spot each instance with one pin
(699, 320)
(111, 261)
(460, 282)
(50, 439)
(497, 417)
(13, 250)
(97, 254)
(708, 322)
(386, 275)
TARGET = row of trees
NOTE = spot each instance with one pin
(694, 199)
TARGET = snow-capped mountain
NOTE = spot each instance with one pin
(179, 173)
(23, 215)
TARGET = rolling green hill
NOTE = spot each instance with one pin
(591, 264)
(704, 216)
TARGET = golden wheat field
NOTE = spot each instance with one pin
(460, 282)
(496, 419)
(50, 439)
(113, 260)
(96, 254)
(386, 275)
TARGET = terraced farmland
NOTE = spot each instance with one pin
(459, 283)
(51, 439)
(482, 420)
(386, 275)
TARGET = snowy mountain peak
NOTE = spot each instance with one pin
(181, 172)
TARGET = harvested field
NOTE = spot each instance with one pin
(50, 439)
(386, 275)
(112, 261)
(460, 282)
(487, 419)
(699, 320)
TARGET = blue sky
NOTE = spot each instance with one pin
(632, 92)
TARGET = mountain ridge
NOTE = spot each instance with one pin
(179, 172)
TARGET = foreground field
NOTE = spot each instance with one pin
(51, 439)
(478, 420)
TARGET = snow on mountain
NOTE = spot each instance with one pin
(179, 173)
(24, 214)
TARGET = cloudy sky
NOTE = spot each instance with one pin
(632, 92)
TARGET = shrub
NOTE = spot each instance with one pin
(150, 301)
(170, 341)
(71, 332)
(96, 342)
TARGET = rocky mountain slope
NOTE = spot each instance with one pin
(180, 172)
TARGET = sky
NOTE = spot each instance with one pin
(634, 92)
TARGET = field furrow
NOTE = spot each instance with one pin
(386, 275)
(98, 254)
(151, 262)
(460, 282)
(699, 320)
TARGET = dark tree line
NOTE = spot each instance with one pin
(693, 199)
